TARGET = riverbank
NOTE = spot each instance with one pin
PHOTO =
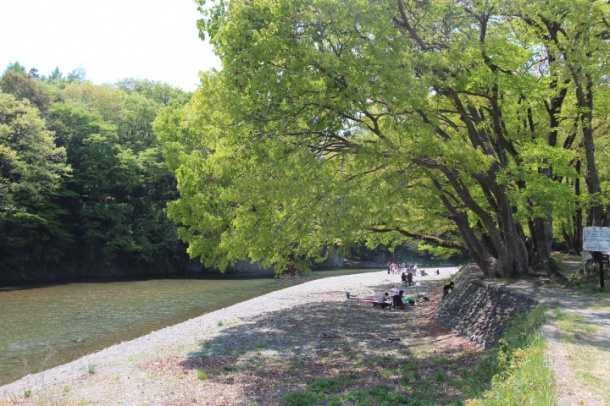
(248, 352)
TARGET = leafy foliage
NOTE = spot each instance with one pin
(84, 184)
(32, 170)
(461, 124)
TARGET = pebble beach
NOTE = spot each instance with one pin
(114, 375)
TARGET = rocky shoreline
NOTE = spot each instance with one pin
(116, 374)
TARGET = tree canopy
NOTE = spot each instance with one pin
(83, 183)
(467, 125)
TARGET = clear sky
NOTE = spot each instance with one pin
(109, 39)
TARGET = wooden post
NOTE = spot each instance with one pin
(601, 271)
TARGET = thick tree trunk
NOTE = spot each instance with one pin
(543, 240)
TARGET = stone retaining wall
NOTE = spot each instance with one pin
(479, 309)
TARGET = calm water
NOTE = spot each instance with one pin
(44, 327)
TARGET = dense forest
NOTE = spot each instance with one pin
(83, 182)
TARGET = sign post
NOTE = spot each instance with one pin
(597, 239)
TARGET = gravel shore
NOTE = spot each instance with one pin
(115, 375)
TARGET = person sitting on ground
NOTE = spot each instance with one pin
(447, 288)
(380, 299)
(404, 301)
(408, 300)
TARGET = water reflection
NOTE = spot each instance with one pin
(47, 326)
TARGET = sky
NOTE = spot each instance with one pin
(110, 39)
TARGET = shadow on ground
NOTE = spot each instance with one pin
(335, 351)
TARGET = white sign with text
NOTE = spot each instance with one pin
(596, 239)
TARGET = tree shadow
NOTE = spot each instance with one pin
(349, 341)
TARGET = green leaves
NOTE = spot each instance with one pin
(450, 122)
(31, 166)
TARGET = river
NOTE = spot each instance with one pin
(42, 327)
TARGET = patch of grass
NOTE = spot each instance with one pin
(382, 395)
(66, 389)
(423, 395)
(303, 398)
(592, 375)
(370, 364)
(91, 369)
(439, 376)
(573, 323)
(441, 361)
(202, 375)
(516, 371)
(411, 366)
(328, 386)
(317, 391)
(27, 393)
(220, 323)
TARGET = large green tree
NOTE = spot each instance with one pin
(32, 171)
(462, 124)
(24, 86)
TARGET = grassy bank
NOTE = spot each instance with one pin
(515, 372)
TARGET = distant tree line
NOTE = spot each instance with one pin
(83, 182)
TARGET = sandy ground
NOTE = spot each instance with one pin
(121, 374)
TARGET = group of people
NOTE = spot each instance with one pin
(403, 267)
(406, 279)
(399, 300)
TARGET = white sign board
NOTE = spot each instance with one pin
(596, 239)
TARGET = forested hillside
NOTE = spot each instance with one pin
(83, 183)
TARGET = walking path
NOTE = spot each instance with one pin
(577, 332)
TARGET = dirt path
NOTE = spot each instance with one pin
(577, 332)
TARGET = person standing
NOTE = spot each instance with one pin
(409, 278)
